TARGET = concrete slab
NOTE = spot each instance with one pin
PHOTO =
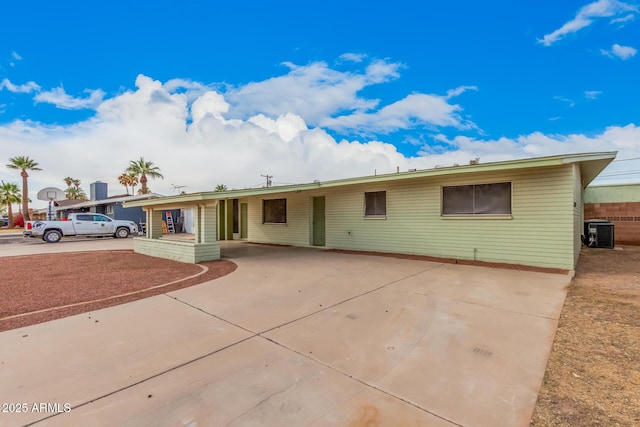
(254, 383)
(80, 358)
(279, 284)
(539, 294)
(469, 363)
(345, 340)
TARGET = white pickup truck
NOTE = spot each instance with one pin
(80, 224)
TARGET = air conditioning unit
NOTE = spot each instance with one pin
(599, 233)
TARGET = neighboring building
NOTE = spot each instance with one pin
(99, 202)
(619, 204)
(525, 212)
(58, 207)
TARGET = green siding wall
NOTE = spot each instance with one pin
(178, 251)
(612, 193)
(294, 232)
(541, 231)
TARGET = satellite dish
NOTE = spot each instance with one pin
(50, 194)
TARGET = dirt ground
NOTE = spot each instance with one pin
(36, 285)
(593, 373)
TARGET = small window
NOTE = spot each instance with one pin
(375, 203)
(479, 199)
(274, 211)
(109, 210)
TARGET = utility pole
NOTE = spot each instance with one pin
(268, 177)
(178, 187)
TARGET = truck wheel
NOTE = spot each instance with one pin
(52, 236)
(122, 233)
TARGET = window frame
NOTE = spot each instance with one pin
(265, 202)
(474, 213)
(375, 214)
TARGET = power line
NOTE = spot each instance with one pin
(626, 160)
(621, 173)
(268, 177)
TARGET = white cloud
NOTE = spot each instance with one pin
(330, 99)
(570, 102)
(615, 138)
(592, 94)
(59, 98)
(24, 88)
(209, 103)
(313, 91)
(192, 89)
(352, 57)
(622, 52)
(415, 110)
(16, 56)
(617, 10)
(459, 91)
(198, 145)
(623, 19)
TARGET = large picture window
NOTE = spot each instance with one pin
(478, 199)
(375, 203)
(274, 211)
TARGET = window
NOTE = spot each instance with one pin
(109, 210)
(84, 217)
(235, 216)
(274, 211)
(479, 199)
(375, 203)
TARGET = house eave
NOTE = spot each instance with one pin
(591, 165)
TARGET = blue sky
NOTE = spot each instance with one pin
(222, 93)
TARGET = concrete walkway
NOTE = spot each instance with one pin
(297, 337)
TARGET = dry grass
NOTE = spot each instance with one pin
(593, 373)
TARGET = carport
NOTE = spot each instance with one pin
(300, 336)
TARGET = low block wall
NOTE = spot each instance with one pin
(176, 250)
(625, 216)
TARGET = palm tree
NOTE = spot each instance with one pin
(143, 169)
(73, 191)
(9, 194)
(24, 164)
(128, 179)
(221, 187)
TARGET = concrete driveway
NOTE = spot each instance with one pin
(297, 337)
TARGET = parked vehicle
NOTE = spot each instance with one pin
(80, 224)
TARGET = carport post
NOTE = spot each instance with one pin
(154, 224)
(205, 224)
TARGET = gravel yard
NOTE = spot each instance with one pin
(39, 288)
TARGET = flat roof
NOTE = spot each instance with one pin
(591, 164)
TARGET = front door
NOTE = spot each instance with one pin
(318, 237)
(244, 218)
